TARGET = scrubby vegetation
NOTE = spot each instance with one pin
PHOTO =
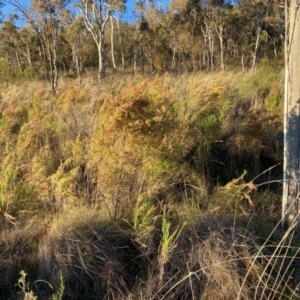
(163, 187)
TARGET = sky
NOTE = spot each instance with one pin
(127, 16)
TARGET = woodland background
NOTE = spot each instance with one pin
(188, 36)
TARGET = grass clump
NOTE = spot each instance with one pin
(85, 250)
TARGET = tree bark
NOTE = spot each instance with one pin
(259, 30)
(112, 42)
(78, 61)
(291, 168)
(19, 61)
(95, 22)
(209, 45)
(220, 34)
(256, 48)
(54, 58)
(121, 43)
(101, 52)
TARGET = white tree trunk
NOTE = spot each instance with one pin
(291, 168)
(220, 34)
(54, 61)
(101, 53)
(77, 63)
(19, 61)
(243, 63)
(209, 44)
(112, 42)
(259, 30)
(28, 57)
(256, 48)
(121, 43)
(95, 21)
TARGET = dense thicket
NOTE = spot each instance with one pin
(162, 187)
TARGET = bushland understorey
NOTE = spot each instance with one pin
(145, 187)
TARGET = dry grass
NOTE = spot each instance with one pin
(91, 253)
(136, 189)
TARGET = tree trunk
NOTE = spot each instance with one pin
(96, 27)
(150, 61)
(43, 56)
(243, 63)
(259, 30)
(210, 45)
(78, 64)
(101, 53)
(28, 57)
(54, 60)
(256, 48)
(174, 60)
(112, 43)
(135, 59)
(142, 61)
(220, 34)
(19, 61)
(50, 61)
(121, 43)
(291, 168)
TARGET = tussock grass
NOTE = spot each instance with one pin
(161, 187)
(95, 256)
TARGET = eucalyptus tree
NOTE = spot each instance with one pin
(209, 36)
(27, 44)
(72, 31)
(47, 16)
(186, 31)
(115, 17)
(43, 17)
(9, 36)
(275, 29)
(148, 20)
(96, 14)
(291, 175)
(112, 42)
(261, 12)
(17, 46)
(219, 27)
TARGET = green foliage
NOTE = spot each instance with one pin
(223, 113)
(24, 287)
(144, 214)
(60, 292)
(63, 184)
(260, 82)
(169, 239)
(5, 73)
(75, 150)
(211, 125)
(7, 183)
(272, 102)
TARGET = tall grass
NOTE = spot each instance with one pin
(145, 188)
